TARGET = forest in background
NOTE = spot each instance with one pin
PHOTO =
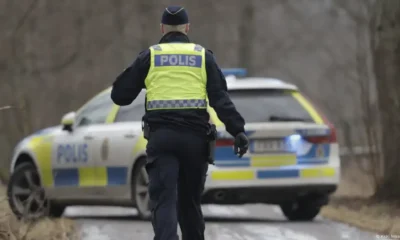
(57, 55)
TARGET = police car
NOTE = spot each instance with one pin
(97, 156)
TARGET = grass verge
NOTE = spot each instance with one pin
(45, 229)
(375, 217)
(352, 204)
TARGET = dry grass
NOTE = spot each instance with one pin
(351, 204)
(373, 217)
(46, 229)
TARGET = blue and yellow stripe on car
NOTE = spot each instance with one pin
(318, 154)
(41, 147)
(90, 176)
(258, 174)
(224, 157)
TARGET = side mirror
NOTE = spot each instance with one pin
(68, 121)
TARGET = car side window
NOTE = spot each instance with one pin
(96, 111)
(133, 112)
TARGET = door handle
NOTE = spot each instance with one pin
(87, 137)
(129, 135)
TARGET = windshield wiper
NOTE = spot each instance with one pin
(275, 118)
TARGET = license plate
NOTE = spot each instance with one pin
(269, 145)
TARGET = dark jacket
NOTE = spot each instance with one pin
(130, 82)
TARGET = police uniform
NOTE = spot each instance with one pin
(179, 78)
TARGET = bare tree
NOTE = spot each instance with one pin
(246, 29)
(28, 68)
(361, 15)
(66, 52)
(386, 65)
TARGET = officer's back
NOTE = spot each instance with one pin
(179, 78)
(178, 62)
(130, 82)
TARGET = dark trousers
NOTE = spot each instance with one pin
(177, 167)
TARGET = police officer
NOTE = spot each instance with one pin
(178, 76)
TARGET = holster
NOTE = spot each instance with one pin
(146, 130)
(211, 138)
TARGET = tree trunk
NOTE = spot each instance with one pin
(387, 69)
(246, 34)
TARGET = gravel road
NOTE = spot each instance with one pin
(248, 222)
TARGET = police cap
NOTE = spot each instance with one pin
(174, 15)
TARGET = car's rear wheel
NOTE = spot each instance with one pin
(140, 189)
(301, 210)
(26, 196)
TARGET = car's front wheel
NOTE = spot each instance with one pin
(301, 210)
(140, 192)
(26, 196)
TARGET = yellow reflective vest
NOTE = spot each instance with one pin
(177, 77)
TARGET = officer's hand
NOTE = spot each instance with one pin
(241, 144)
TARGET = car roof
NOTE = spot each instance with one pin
(257, 83)
(234, 83)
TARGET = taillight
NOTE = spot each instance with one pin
(331, 138)
(224, 142)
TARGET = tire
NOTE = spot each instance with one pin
(301, 210)
(48, 209)
(20, 190)
(140, 193)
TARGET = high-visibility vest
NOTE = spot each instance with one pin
(177, 77)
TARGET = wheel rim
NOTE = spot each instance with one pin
(28, 195)
(142, 193)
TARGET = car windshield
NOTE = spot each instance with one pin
(268, 105)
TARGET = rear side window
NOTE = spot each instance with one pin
(262, 105)
(133, 112)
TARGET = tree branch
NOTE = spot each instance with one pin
(19, 25)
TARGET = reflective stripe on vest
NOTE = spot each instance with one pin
(171, 104)
(177, 77)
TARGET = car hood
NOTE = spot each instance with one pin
(46, 131)
(42, 132)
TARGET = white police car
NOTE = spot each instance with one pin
(97, 156)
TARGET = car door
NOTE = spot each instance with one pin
(114, 148)
(75, 172)
(71, 154)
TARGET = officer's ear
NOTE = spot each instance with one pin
(187, 28)
(162, 28)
